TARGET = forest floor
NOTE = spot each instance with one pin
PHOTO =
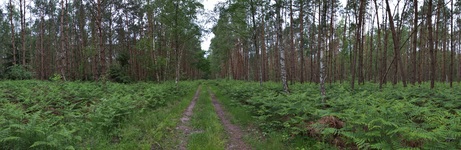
(207, 126)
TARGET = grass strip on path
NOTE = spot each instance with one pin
(234, 133)
(208, 132)
(184, 125)
(242, 117)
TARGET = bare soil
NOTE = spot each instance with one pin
(184, 124)
(234, 132)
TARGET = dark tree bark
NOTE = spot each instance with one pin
(452, 47)
(359, 41)
(357, 46)
(264, 60)
(292, 47)
(255, 42)
(102, 54)
(431, 43)
(415, 41)
(42, 49)
(396, 41)
(301, 40)
(22, 10)
(61, 59)
(13, 43)
(383, 79)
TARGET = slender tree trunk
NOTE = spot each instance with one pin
(357, 47)
(331, 45)
(256, 45)
(111, 51)
(176, 43)
(431, 43)
(301, 40)
(452, 47)
(360, 40)
(23, 29)
(264, 60)
(321, 60)
(13, 43)
(42, 50)
(436, 40)
(311, 54)
(345, 39)
(102, 55)
(384, 57)
(60, 61)
(370, 68)
(292, 47)
(283, 71)
(415, 41)
(396, 42)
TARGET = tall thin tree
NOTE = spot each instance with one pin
(283, 71)
(431, 42)
(13, 43)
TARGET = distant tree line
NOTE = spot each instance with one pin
(322, 41)
(120, 40)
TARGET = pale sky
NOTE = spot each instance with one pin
(208, 6)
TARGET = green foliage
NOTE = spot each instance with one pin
(117, 74)
(368, 118)
(71, 115)
(18, 72)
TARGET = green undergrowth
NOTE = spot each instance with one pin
(84, 115)
(208, 132)
(394, 117)
(153, 128)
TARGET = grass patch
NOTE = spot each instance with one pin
(152, 128)
(208, 132)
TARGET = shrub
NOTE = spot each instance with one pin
(18, 72)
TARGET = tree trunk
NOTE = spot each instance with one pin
(359, 39)
(396, 42)
(102, 55)
(431, 43)
(357, 47)
(383, 79)
(13, 43)
(452, 47)
(283, 71)
(176, 44)
(292, 47)
(42, 50)
(321, 60)
(23, 29)
(436, 40)
(415, 41)
(255, 42)
(60, 61)
(301, 40)
(264, 60)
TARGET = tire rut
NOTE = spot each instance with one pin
(235, 133)
(184, 124)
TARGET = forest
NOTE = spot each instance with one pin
(278, 74)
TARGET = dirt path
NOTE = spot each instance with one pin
(184, 124)
(235, 134)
